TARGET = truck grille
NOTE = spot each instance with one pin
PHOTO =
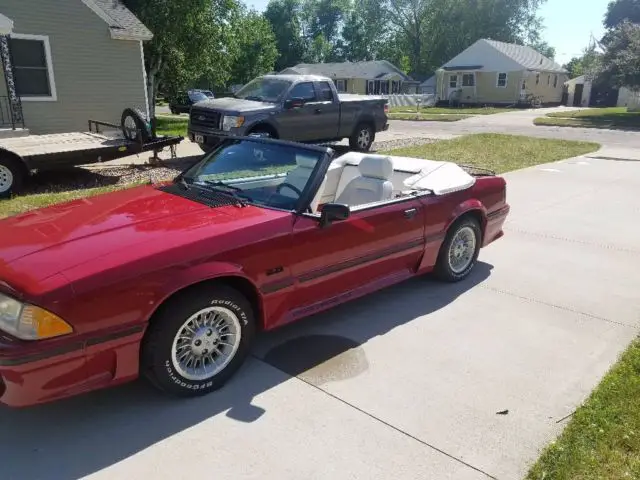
(205, 118)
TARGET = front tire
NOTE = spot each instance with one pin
(459, 251)
(362, 138)
(198, 341)
(12, 176)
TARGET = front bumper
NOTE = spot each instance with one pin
(38, 372)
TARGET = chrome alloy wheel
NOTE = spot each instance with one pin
(206, 343)
(6, 179)
(364, 138)
(462, 250)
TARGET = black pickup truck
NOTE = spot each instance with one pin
(302, 108)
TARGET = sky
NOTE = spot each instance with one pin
(568, 24)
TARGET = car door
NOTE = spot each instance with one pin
(326, 121)
(376, 246)
(298, 123)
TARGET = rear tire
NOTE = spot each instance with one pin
(12, 176)
(212, 327)
(134, 118)
(459, 251)
(362, 138)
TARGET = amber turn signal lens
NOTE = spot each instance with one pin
(39, 323)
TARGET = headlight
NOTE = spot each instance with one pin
(29, 322)
(231, 121)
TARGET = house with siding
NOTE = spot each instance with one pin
(497, 73)
(65, 62)
(376, 77)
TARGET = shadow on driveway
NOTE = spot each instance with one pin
(82, 435)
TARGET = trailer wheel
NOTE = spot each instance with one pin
(132, 118)
(12, 176)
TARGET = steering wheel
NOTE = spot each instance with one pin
(290, 187)
(295, 189)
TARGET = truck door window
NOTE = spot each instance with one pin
(324, 92)
(304, 91)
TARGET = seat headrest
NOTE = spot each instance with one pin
(376, 166)
(306, 161)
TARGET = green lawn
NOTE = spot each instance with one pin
(615, 118)
(501, 153)
(452, 110)
(426, 117)
(175, 125)
(602, 439)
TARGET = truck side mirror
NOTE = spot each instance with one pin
(293, 103)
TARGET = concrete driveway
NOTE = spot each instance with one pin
(405, 384)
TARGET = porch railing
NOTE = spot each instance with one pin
(9, 117)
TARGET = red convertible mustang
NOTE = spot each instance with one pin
(172, 281)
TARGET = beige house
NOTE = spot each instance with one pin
(498, 73)
(377, 77)
(65, 62)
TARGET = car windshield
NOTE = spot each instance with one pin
(197, 96)
(258, 172)
(264, 90)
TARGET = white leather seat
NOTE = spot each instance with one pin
(372, 185)
(300, 176)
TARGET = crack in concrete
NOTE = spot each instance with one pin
(559, 307)
(572, 240)
(383, 422)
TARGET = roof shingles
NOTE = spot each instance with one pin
(122, 20)
(369, 70)
(526, 56)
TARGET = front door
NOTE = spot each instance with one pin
(375, 247)
(453, 85)
(326, 113)
(298, 123)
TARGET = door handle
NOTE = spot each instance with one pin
(410, 213)
(317, 110)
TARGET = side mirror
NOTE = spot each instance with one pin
(333, 212)
(293, 103)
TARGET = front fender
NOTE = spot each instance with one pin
(262, 119)
(196, 274)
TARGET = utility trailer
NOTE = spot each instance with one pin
(20, 156)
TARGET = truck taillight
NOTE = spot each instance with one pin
(386, 108)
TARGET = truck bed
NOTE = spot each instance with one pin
(353, 97)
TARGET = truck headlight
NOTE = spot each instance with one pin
(231, 121)
(29, 322)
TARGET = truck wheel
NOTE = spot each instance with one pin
(198, 341)
(459, 251)
(133, 119)
(12, 176)
(362, 138)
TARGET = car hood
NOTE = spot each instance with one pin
(235, 105)
(42, 243)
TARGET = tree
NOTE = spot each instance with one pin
(252, 46)
(284, 17)
(189, 39)
(434, 31)
(621, 60)
(365, 31)
(620, 10)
